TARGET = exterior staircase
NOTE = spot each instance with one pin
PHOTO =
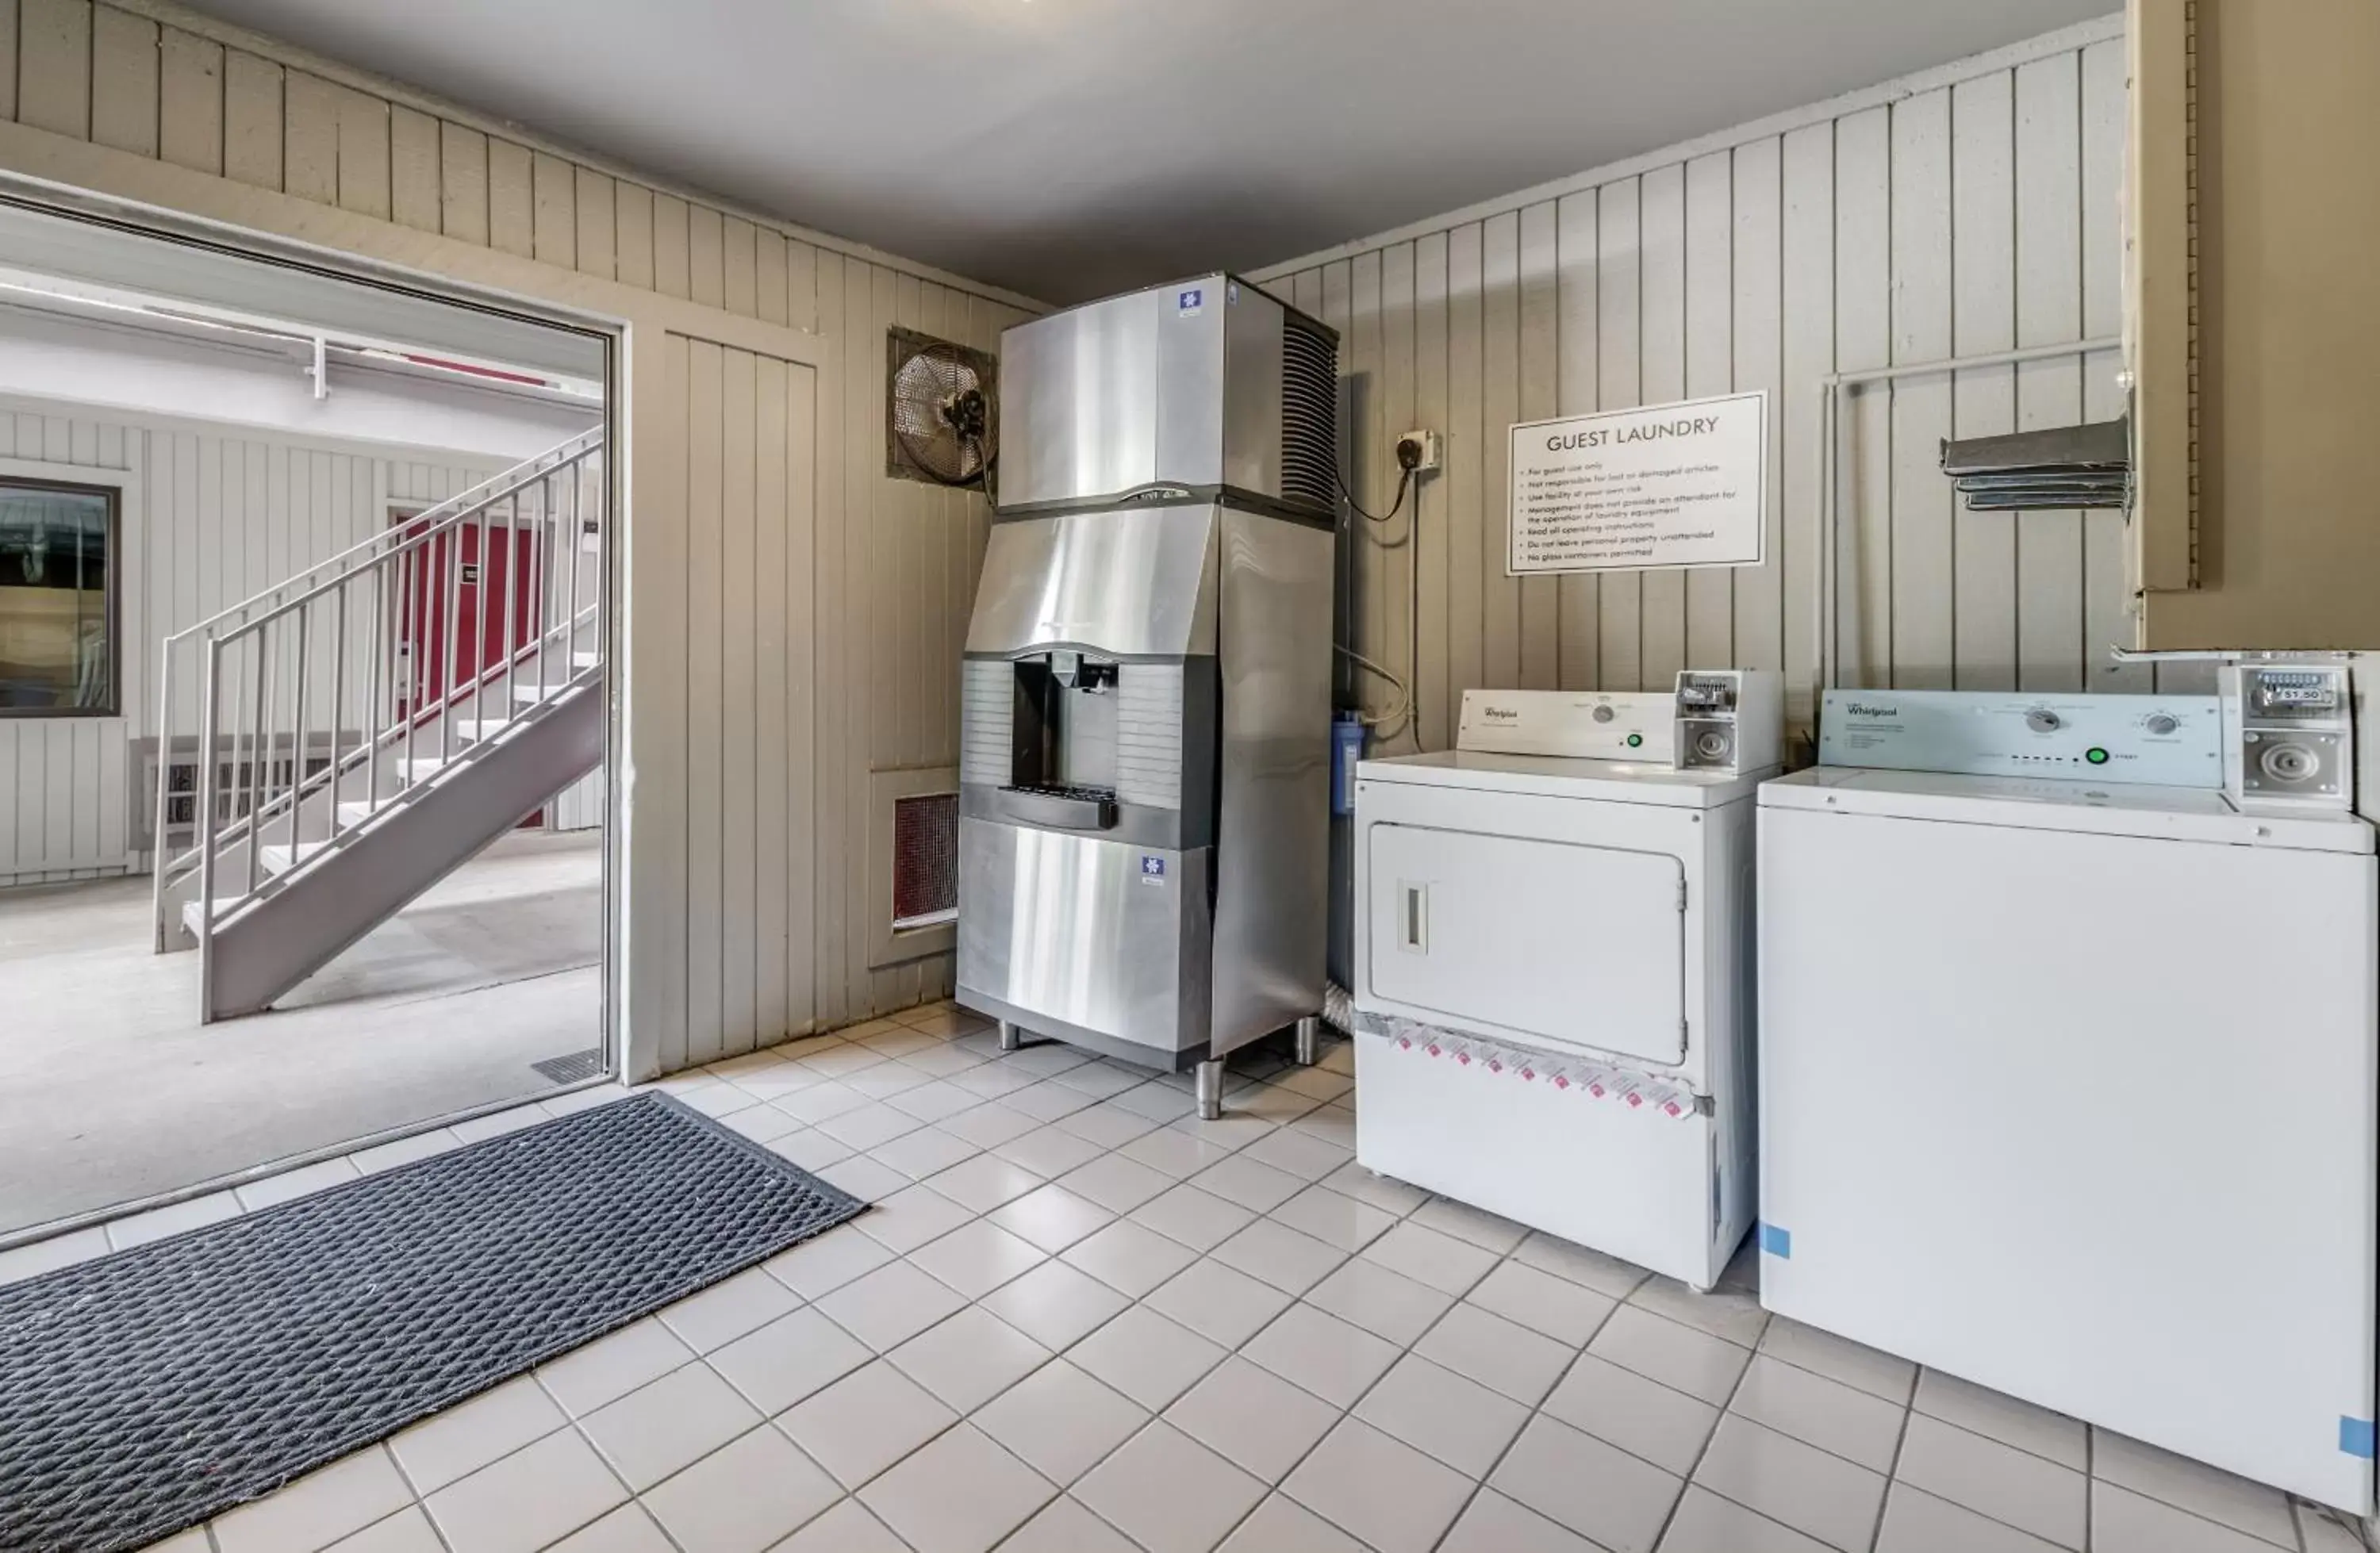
(377, 720)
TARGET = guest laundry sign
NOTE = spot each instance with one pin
(1662, 485)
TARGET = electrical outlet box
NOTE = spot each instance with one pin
(1418, 452)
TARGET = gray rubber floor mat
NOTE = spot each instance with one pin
(146, 1391)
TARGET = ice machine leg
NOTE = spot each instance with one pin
(1210, 1090)
(1309, 1040)
(1011, 1037)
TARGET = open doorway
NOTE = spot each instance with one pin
(303, 718)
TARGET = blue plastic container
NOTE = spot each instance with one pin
(1346, 748)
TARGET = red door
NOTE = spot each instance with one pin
(461, 562)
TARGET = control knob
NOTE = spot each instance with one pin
(2161, 724)
(1604, 714)
(2041, 720)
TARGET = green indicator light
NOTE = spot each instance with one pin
(1635, 739)
(2097, 756)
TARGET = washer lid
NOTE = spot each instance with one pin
(2195, 814)
(1616, 782)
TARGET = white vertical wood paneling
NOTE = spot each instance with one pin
(1971, 213)
(191, 543)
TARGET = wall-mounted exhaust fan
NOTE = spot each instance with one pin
(941, 411)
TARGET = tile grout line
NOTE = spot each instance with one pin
(1892, 1476)
(1726, 1409)
(1479, 1484)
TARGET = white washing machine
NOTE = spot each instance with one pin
(1552, 986)
(2066, 1062)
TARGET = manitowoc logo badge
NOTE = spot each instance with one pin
(1861, 709)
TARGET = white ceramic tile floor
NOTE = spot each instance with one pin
(1204, 1337)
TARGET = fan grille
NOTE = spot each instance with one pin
(925, 379)
(1309, 418)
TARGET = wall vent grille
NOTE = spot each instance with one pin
(924, 860)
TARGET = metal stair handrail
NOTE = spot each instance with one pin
(331, 646)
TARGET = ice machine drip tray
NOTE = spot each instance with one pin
(1581, 946)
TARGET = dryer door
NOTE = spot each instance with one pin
(1581, 946)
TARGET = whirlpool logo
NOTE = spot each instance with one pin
(1861, 709)
(1502, 714)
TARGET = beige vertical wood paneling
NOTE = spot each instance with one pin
(669, 245)
(124, 87)
(655, 579)
(254, 119)
(876, 505)
(1576, 346)
(1922, 649)
(1863, 339)
(898, 736)
(310, 153)
(413, 170)
(1967, 216)
(1806, 324)
(54, 66)
(1540, 367)
(1500, 406)
(511, 199)
(1710, 370)
(1396, 402)
(1983, 311)
(705, 715)
(2050, 651)
(802, 476)
(903, 561)
(1619, 596)
(769, 275)
(8, 33)
(363, 153)
(830, 714)
(633, 217)
(772, 780)
(740, 644)
(1359, 359)
(190, 101)
(801, 287)
(1661, 361)
(463, 185)
(705, 255)
(1432, 548)
(739, 258)
(1471, 446)
(1757, 323)
(594, 245)
(554, 219)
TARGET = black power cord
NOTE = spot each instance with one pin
(1408, 461)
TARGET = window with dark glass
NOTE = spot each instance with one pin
(58, 616)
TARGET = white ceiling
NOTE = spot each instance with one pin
(1068, 148)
